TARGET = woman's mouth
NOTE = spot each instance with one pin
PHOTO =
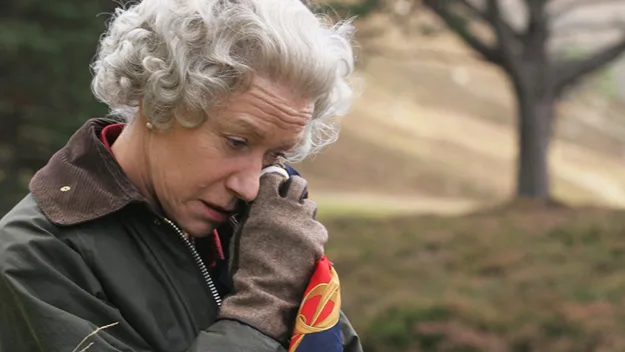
(216, 214)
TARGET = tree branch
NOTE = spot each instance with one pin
(510, 33)
(508, 41)
(571, 5)
(458, 24)
(537, 30)
(569, 73)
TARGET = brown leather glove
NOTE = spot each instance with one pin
(272, 257)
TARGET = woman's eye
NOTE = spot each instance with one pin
(236, 143)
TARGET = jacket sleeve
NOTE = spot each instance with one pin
(51, 301)
(351, 340)
(49, 297)
(226, 336)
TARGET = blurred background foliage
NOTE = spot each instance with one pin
(45, 50)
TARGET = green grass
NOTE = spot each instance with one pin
(518, 278)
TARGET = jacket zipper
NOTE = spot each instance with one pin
(198, 261)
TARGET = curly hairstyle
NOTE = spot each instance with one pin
(178, 58)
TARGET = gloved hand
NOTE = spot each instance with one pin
(272, 257)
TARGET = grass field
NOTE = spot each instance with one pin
(521, 277)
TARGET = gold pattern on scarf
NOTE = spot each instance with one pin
(328, 292)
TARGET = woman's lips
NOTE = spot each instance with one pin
(215, 214)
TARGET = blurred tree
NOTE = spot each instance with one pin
(45, 51)
(538, 79)
(516, 35)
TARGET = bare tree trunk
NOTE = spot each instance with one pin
(535, 124)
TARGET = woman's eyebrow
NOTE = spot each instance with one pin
(247, 126)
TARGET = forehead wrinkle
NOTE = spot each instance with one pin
(281, 123)
(251, 125)
(247, 125)
(287, 113)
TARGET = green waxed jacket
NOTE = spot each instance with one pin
(83, 250)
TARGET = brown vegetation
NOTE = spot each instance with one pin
(524, 277)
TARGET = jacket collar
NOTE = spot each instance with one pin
(82, 181)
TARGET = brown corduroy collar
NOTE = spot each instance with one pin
(82, 181)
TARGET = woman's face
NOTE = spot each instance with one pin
(198, 175)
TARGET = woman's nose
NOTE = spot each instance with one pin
(245, 184)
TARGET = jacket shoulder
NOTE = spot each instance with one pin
(24, 231)
(26, 214)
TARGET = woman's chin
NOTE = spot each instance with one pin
(199, 229)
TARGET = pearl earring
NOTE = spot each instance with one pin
(149, 126)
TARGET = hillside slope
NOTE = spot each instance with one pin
(446, 129)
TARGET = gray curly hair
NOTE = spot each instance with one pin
(178, 58)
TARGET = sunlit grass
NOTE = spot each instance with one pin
(336, 209)
(379, 207)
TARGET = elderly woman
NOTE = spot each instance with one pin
(161, 229)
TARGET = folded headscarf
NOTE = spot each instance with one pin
(317, 325)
